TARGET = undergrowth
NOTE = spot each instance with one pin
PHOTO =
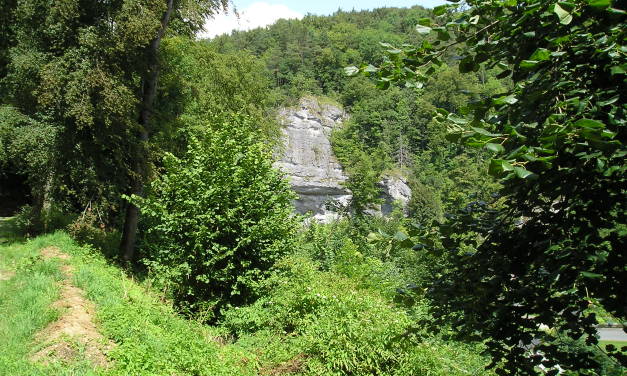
(309, 321)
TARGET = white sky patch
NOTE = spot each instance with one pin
(256, 15)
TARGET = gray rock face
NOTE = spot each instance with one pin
(394, 189)
(307, 159)
(314, 172)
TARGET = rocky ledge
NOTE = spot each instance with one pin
(314, 172)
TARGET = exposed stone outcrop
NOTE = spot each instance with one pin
(394, 190)
(307, 158)
(313, 170)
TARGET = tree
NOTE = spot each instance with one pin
(558, 138)
(197, 83)
(91, 71)
(26, 150)
(189, 15)
(218, 217)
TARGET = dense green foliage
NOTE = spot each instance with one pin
(79, 88)
(559, 141)
(388, 132)
(111, 105)
(310, 54)
(294, 328)
(26, 155)
(217, 218)
(197, 84)
(88, 72)
(320, 317)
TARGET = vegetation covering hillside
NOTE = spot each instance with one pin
(150, 234)
(134, 330)
(390, 131)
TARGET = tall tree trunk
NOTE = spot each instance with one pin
(129, 234)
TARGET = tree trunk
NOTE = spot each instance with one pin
(129, 234)
(42, 203)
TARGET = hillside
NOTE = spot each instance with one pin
(395, 192)
(67, 310)
(390, 132)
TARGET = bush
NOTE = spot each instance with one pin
(322, 242)
(28, 222)
(217, 218)
(373, 252)
(89, 229)
(339, 328)
(425, 205)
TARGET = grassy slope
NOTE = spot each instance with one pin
(151, 339)
(617, 344)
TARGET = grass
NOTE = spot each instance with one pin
(618, 344)
(25, 301)
(7, 231)
(150, 338)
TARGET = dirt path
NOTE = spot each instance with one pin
(5, 275)
(75, 330)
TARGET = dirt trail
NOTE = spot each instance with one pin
(5, 275)
(75, 329)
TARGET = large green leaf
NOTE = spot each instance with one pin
(498, 166)
(591, 275)
(497, 148)
(589, 123)
(509, 99)
(619, 69)
(422, 29)
(528, 64)
(522, 172)
(600, 4)
(541, 54)
(564, 16)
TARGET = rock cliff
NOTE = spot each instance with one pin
(307, 158)
(313, 170)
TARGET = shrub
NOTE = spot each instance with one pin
(374, 252)
(217, 218)
(425, 205)
(29, 222)
(340, 328)
(89, 228)
(322, 242)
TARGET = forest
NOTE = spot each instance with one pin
(145, 228)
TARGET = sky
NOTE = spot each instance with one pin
(254, 13)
